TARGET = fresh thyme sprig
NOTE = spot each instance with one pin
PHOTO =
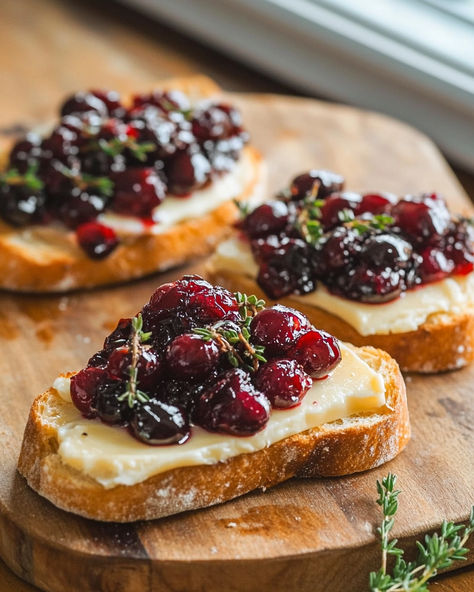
(307, 222)
(363, 225)
(248, 305)
(439, 550)
(29, 178)
(228, 338)
(117, 146)
(104, 185)
(138, 338)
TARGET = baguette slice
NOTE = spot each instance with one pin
(49, 260)
(443, 342)
(346, 446)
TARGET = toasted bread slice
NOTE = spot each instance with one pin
(349, 445)
(48, 259)
(443, 342)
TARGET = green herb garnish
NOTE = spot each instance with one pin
(438, 551)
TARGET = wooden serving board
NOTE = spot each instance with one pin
(312, 535)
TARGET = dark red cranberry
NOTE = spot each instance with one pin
(61, 144)
(183, 393)
(422, 219)
(187, 171)
(319, 184)
(317, 352)
(367, 285)
(208, 303)
(277, 328)
(149, 368)
(137, 192)
(99, 359)
(435, 265)
(332, 209)
(269, 218)
(386, 251)
(111, 100)
(166, 101)
(338, 250)
(215, 122)
(25, 152)
(109, 408)
(159, 423)
(119, 336)
(20, 206)
(290, 268)
(169, 298)
(284, 382)
(97, 240)
(58, 184)
(192, 296)
(84, 386)
(376, 203)
(189, 356)
(233, 406)
(83, 102)
(80, 207)
(460, 247)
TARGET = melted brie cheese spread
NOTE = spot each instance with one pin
(453, 295)
(111, 456)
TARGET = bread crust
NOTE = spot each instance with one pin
(337, 448)
(443, 342)
(23, 268)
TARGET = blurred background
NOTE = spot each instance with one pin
(412, 59)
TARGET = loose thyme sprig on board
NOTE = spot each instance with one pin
(439, 550)
(138, 338)
(227, 338)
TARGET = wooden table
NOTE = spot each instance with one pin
(51, 48)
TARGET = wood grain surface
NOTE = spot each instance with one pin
(302, 535)
(315, 535)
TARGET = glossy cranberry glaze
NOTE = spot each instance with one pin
(104, 155)
(199, 355)
(367, 247)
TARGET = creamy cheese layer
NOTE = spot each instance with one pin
(176, 209)
(452, 295)
(112, 457)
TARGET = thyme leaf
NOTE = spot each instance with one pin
(438, 551)
(30, 178)
(132, 393)
(236, 343)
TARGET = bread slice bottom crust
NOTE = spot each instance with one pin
(342, 447)
(443, 342)
(29, 266)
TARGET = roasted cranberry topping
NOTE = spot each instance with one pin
(84, 386)
(137, 192)
(317, 352)
(368, 247)
(188, 356)
(103, 156)
(148, 364)
(97, 240)
(269, 218)
(233, 406)
(198, 351)
(316, 184)
(160, 423)
(277, 328)
(284, 382)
